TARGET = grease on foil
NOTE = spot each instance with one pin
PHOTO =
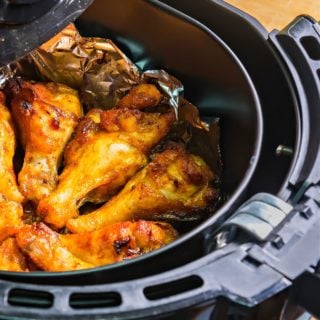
(103, 75)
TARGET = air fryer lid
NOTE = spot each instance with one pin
(26, 24)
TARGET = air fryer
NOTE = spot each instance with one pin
(265, 90)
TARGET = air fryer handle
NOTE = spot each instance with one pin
(299, 46)
(286, 240)
(300, 41)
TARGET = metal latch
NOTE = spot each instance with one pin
(259, 216)
(289, 236)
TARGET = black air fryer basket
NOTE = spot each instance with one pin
(265, 239)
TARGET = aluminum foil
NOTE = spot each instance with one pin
(95, 66)
(103, 75)
(5, 74)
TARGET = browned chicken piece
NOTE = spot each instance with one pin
(11, 258)
(91, 129)
(46, 115)
(56, 252)
(8, 184)
(11, 214)
(174, 185)
(109, 147)
(119, 241)
(142, 96)
(42, 245)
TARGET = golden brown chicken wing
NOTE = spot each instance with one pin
(11, 214)
(55, 252)
(46, 115)
(8, 184)
(119, 241)
(11, 258)
(43, 247)
(109, 147)
(142, 96)
(174, 184)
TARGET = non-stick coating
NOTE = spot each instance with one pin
(280, 108)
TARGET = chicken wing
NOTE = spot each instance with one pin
(119, 241)
(8, 184)
(42, 245)
(109, 147)
(56, 252)
(142, 96)
(11, 258)
(46, 115)
(174, 185)
(11, 214)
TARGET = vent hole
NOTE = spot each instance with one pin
(172, 288)
(94, 300)
(318, 73)
(30, 298)
(251, 262)
(312, 47)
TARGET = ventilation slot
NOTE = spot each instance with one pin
(94, 300)
(172, 288)
(250, 261)
(30, 298)
(312, 47)
(318, 73)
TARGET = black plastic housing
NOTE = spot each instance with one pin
(25, 24)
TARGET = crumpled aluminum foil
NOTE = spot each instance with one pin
(103, 75)
(95, 66)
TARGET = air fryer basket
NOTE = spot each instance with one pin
(186, 273)
(215, 81)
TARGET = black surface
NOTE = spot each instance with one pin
(299, 45)
(280, 108)
(24, 27)
(24, 11)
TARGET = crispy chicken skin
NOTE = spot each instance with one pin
(11, 258)
(8, 184)
(175, 183)
(119, 241)
(42, 245)
(46, 115)
(56, 252)
(142, 96)
(109, 147)
(11, 214)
